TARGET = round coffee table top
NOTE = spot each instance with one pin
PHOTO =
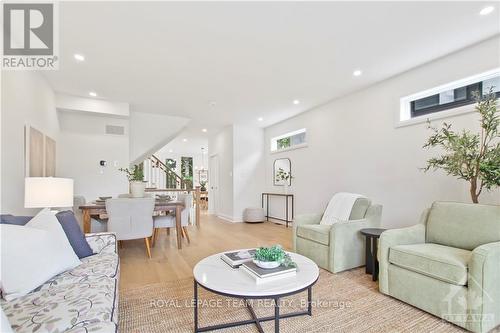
(215, 275)
(372, 232)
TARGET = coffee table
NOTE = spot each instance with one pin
(216, 276)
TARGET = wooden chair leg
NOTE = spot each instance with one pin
(146, 240)
(168, 231)
(185, 232)
(153, 240)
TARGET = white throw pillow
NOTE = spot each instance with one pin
(33, 254)
(4, 323)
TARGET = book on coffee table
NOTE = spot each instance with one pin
(261, 275)
(235, 259)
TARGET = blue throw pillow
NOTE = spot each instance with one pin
(17, 220)
(74, 233)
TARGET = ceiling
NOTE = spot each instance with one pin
(232, 62)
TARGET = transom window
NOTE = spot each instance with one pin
(450, 96)
(291, 140)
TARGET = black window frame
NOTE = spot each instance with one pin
(477, 86)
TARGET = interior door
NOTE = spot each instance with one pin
(213, 182)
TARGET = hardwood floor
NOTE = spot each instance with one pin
(215, 235)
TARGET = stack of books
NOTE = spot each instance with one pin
(236, 259)
(263, 275)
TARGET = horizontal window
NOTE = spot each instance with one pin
(289, 140)
(450, 96)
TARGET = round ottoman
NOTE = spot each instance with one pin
(254, 215)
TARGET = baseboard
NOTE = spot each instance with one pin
(229, 218)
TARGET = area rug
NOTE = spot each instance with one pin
(345, 302)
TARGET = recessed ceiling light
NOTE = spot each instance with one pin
(212, 103)
(260, 119)
(93, 94)
(79, 57)
(357, 72)
(185, 140)
(296, 102)
(487, 10)
(171, 151)
(204, 130)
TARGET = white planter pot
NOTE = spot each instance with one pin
(137, 189)
(267, 264)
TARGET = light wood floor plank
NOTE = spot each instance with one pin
(215, 235)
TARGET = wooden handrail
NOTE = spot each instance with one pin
(168, 171)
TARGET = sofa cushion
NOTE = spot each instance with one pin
(316, 232)
(17, 220)
(27, 267)
(462, 225)
(92, 268)
(441, 262)
(74, 234)
(66, 307)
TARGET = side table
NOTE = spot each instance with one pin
(372, 235)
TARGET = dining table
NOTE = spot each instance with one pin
(98, 208)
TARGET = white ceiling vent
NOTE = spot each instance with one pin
(115, 130)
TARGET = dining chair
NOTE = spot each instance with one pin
(96, 225)
(131, 219)
(168, 221)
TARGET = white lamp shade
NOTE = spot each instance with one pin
(47, 192)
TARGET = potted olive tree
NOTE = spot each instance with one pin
(473, 157)
(136, 181)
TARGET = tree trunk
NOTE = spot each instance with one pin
(473, 191)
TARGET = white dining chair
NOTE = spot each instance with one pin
(131, 219)
(96, 225)
(168, 221)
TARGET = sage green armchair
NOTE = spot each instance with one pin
(340, 246)
(448, 265)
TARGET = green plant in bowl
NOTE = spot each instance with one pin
(272, 257)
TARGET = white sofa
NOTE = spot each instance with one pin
(84, 299)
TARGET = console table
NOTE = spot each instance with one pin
(288, 198)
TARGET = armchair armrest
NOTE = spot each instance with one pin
(347, 248)
(484, 292)
(102, 242)
(404, 236)
(303, 219)
(313, 218)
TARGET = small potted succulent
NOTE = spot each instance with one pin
(272, 257)
(136, 181)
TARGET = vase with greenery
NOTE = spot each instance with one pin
(135, 177)
(203, 185)
(473, 157)
(272, 257)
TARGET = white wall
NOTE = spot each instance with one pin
(248, 168)
(83, 144)
(221, 145)
(241, 169)
(353, 144)
(27, 99)
(150, 132)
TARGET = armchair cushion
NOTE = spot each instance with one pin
(448, 264)
(359, 208)
(316, 232)
(465, 226)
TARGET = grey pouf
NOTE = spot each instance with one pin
(254, 215)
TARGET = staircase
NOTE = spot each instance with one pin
(159, 176)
